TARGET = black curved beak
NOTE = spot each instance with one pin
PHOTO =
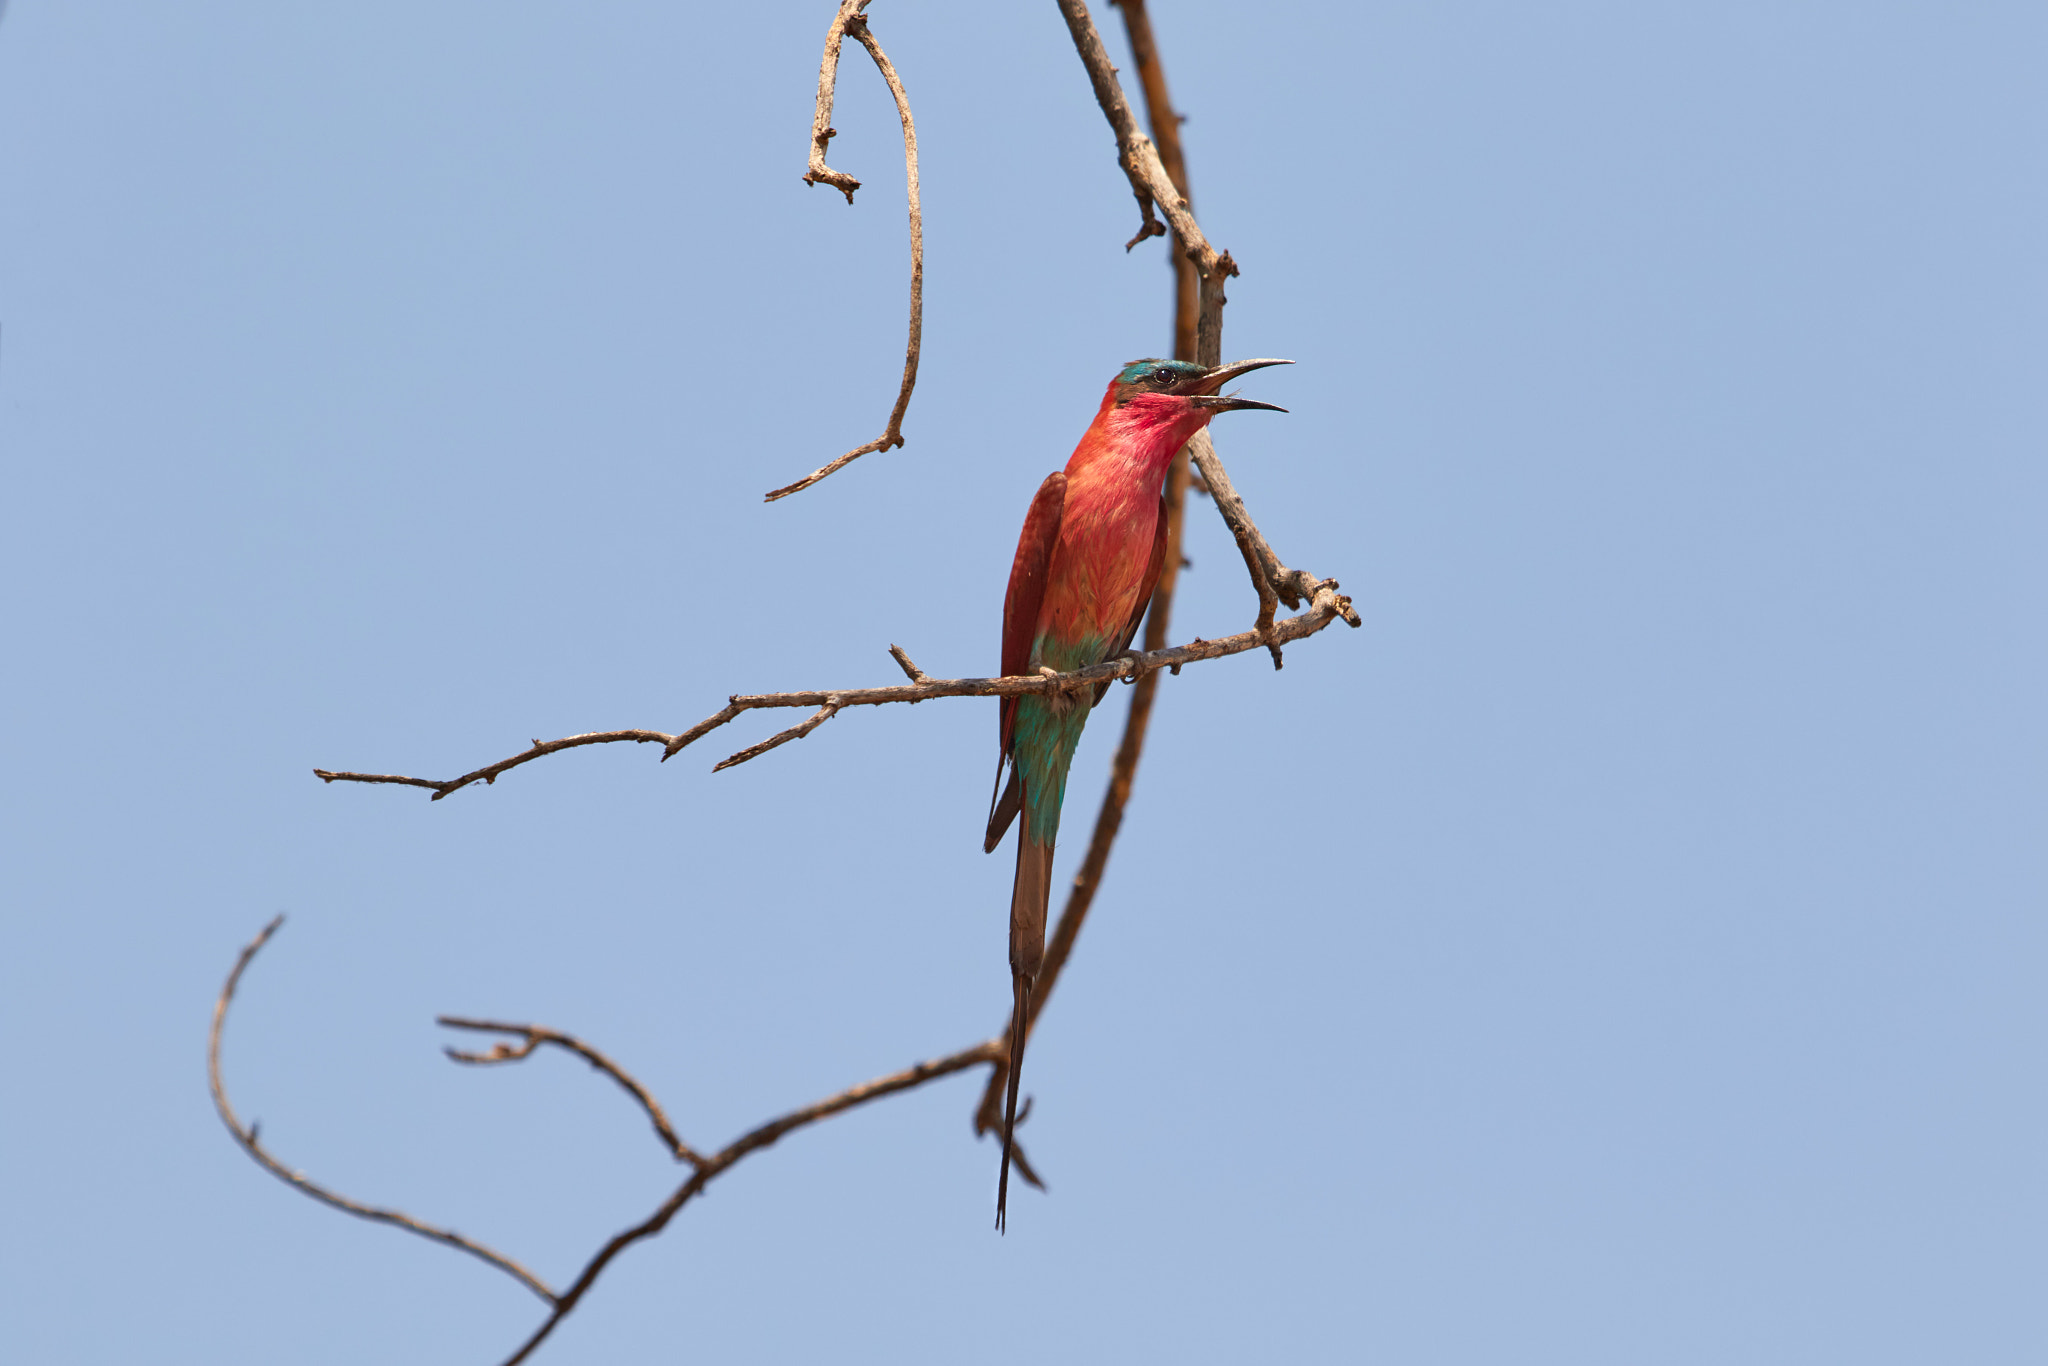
(1202, 393)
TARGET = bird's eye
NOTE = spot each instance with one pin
(1163, 375)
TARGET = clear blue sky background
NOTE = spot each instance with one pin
(1627, 948)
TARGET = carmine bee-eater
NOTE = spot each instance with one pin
(1089, 556)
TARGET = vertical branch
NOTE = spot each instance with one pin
(1123, 769)
(1165, 125)
(822, 130)
(850, 19)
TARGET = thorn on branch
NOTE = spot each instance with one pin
(915, 674)
(1151, 227)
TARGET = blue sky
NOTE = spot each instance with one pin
(1627, 947)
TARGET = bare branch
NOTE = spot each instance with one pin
(1165, 126)
(1327, 603)
(536, 1035)
(750, 1142)
(822, 130)
(1151, 183)
(915, 674)
(1136, 152)
(825, 713)
(850, 19)
(1158, 178)
(298, 1180)
(489, 773)
(707, 1168)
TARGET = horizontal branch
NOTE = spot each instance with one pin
(1326, 604)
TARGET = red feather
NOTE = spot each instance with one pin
(1027, 585)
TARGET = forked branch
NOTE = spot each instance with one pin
(533, 1036)
(706, 1167)
(851, 19)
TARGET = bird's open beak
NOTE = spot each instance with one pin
(1202, 393)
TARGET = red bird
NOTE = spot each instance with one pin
(1087, 561)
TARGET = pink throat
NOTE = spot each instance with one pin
(1148, 430)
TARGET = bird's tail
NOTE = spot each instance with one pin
(1029, 897)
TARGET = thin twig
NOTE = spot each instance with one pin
(825, 713)
(298, 1181)
(535, 1035)
(850, 19)
(1326, 605)
(540, 748)
(910, 670)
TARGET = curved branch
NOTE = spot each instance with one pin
(822, 130)
(750, 1142)
(1326, 604)
(850, 19)
(707, 1168)
(536, 1035)
(247, 1137)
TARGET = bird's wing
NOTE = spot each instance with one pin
(1020, 621)
(1145, 599)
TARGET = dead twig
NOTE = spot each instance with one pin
(247, 1138)
(825, 713)
(850, 19)
(706, 1167)
(533, 1036)
(1327, 604)
(1151, 183)
(822, 131)
(910, 670)
(1165, 126)
(750, 1142)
